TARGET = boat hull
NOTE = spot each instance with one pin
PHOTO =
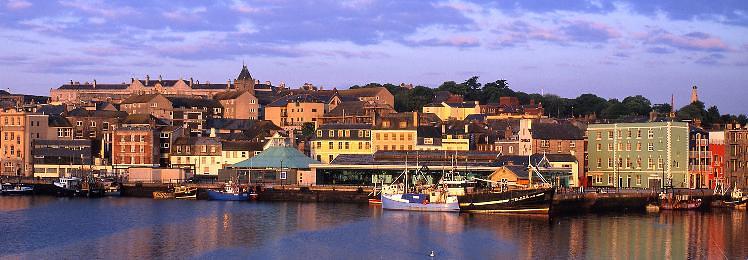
(535, 201)
(223, 196)
(163, 195)
(389, 203)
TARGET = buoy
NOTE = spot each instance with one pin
(432, 254)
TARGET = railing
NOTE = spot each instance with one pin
(702, 154)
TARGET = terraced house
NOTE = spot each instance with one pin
(331, 140)
(638, 155)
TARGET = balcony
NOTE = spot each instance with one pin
(702, 154)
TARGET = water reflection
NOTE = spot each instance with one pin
(40, 227)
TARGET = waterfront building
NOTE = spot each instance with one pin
(736, 157)
(278, 165)
(446, 111)
(395, 132)
(192, 113)
(638, 155)
(18, 130)
(63, 157)
(561, 138)
(699, 158)
(167, 136)
(238, 104)
(233, 152)
(135, 146)
(199, 155)
(385, 166)
(717, 148)
(331, 140)
(429, 138)
(456, 136)
(59, 128)
(560, 170)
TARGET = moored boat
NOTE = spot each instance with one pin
(16, 189)
(420, 202)
(669, 201)
(229, 193)
(184, 192)
(163, 195)
(527, 201)
(68, 186)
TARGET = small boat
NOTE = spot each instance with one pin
(375, 201)
(163, 195)
(229, 193)
(669, 201)
(434, 201)
(16, 189)
(68, 186)
(184, 192)
(652, 208)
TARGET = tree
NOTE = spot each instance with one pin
(453, 87)
(692, 111)
(637, 105)
(663, 108)
(712, 116)
(615, 109)
(587, 104)
(473, 88)
(492, 91)
(307, 130)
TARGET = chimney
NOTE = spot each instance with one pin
(71, 82)
(652, 116)
(191, 81)
(147, 79)
(94, 83)
(213, 132)
(132, 80)
(228, 84)
(159, 78)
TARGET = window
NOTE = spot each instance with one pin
(572, 144)
(610, 162)
(544, 143)
(599, 135)
(360, 145)
(638, 133)
(329, 157)
(599, 147)
(366, 133)
(204, 148)
(610, 147)
(347, 133)
(347, 145)
(319, 145)
(368, 146)
(619, 134)
(629, 133)
(132, 148)
(638, 146)
(340, 145)
(329, 145)
(166, 145)
(650, 147)
(319, 133)
(638, 180)
(511, 149)
(650, 133)
(599, 162)
(360, 133)
(79, 123)
(331, 133)
(93, 123)
(105, 125)
(638, 162)
(142, 148)
(628, 146)
(142, 138)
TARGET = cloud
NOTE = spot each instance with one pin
(98, 7)
(711, 59)
(17, 4)
(659, 50)
(696, 41)
(586, 31)
(242, 7)
(452, 40)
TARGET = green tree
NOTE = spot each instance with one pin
(587, 104)
(453, 87)
(637, 105)
(615, 109)
(692, 111)
(307, 130)
(662, 109)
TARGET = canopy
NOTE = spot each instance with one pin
(273, 157)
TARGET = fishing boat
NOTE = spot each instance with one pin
(230, 192)
(16, 189)
(499, 197)
(735, 200)
(403, 196)
(670, 201)
(184, 192)
(68, 186)
(161, 195)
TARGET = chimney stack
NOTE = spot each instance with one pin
(228, 84)
(191, 82)
(94, 83)
(147, 79)
(159, 78)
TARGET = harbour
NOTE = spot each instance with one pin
(125, 227)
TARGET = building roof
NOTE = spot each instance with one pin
(142, 119)
(273, 157)
(241, 146)
(300, 98)
(429, 132)
(193, 102)
(348, 108)
(196, 140)
(58, 121)
(226, 95)
(78, 86)
(142, 98)
(554, 131)
(51, 109)
(82, 112)
(244, 74)
(362, 92)
(344, 126)
(505, 160)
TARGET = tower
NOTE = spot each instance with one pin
(694, 94)
(244, 81)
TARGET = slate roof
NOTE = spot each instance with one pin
(344, 126)
(51, 109)
(91, 86)
(241, 146)
(193, 102)
(142, 98)
(301, 98)
(226, 95)
(244, 74)
(230, 123)
(81, 112)
(58, 121)
(196, 141)
(429, 132)
(273, 157)
(143, 119)
(348, 108)
(553, 131)
(211, 86)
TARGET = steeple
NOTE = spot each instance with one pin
(244, 81)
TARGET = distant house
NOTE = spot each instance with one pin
(446, 111)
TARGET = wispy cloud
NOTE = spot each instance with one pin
(18, 4)
(698, 41)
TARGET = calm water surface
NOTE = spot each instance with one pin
(49, 227)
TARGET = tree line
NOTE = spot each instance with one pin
(413, 99)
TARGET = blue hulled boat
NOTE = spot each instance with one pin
(229, 193)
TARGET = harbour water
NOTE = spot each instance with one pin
(48, 227)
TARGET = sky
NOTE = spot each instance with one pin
(613, 49)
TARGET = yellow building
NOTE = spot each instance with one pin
(199, 154)
(18, 129)
(395, 132)
(331, 140)
(446, 111)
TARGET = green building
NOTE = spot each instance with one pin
(638, 155)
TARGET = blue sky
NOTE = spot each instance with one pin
(613, 49)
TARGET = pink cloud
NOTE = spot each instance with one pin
(98, 7)
(243, 7)
(692, 41)
(18, 4)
